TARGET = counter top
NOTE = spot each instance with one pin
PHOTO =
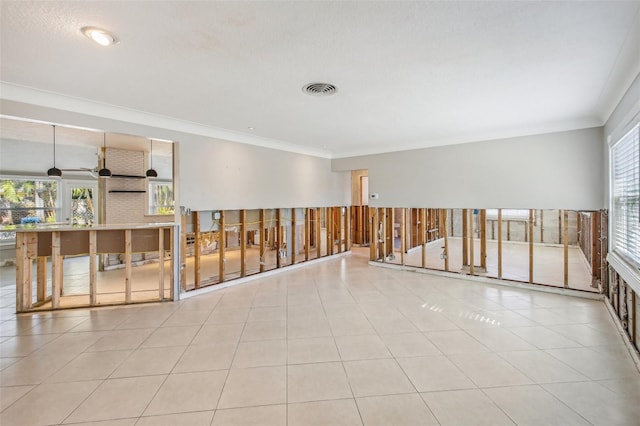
(44, 227)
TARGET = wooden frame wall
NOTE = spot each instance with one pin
(415, 226)
(38, 246)
(338, 228)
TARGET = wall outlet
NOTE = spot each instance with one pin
(374, 196)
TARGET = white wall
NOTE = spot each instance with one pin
(218, 174)
(558, 170)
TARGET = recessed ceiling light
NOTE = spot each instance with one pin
(250, 128)
(100, 36)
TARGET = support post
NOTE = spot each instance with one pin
(373, 226)
(347, 229)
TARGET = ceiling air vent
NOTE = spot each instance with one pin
(319, 89)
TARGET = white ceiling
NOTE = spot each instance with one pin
(409, 74)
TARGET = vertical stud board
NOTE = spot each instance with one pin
(243, 243)
(465, 236)
(482, 218)
(294, 225)
(262, 240)
(93, 268)
(197, 245)
(127, 266)
(499, 243)
(443, 216)
(222, 248)
(530, 245)
(348, 229)
(566, 248)
(373, 226)
(318, 233)
(472, 269)
(183, 251)
(41, 279)
(56, 270)
(279, 244)
(307, 233)
(423, 235)
(161, 263)
(403, 234)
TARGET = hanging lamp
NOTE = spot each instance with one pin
(54, 171)
(104, 172)
(151, 172)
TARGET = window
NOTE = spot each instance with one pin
(160, 198)
(625, 196)
(26, 201)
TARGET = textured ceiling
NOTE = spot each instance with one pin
(409, 74)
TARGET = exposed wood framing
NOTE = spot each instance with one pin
(423, 235)
(161, 263)
(183, 251)
(541, 226)
(385, 232)
(56, 270)
(307, 233)
(127, 266)
(566, 248)
(472, 270)
(197, 246)
(243, 243)
(465, 236)
(531, 245)
(443, 216)
(373, 225)
(482, 217)
(318, 233)
(172, 260)
(347, 224)
(93, 268)
(294, 247)
(263, 235)
(222, 245)
(403, 235)
(41, 292)
(499, 243)
(559, 226)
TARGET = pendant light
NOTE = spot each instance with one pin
(104, 172)
(54, 171)
(151, 172)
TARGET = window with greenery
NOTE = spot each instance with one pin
(161, 198)
(26, 201)
(625, 194)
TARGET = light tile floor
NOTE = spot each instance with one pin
(336, 343)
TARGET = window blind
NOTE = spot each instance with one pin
(626, 196)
